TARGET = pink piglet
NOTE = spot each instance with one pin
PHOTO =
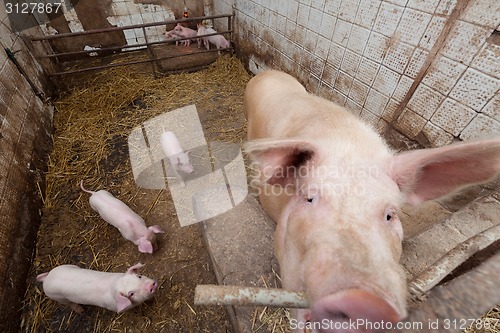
(118, 292)
(130, 225)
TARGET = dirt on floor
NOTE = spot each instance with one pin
(92, 122)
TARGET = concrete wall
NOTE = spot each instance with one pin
(25, 137)
(428, 68)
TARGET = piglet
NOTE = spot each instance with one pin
(176, 155)
(172, 36)
(218, 40)
(72, 286)
(130, 225)
(184, 32)
(202, 40)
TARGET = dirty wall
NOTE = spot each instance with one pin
(428, 68)
(25, 138)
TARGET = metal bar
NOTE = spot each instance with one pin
(152, 56)
(230, 27)
(451, 260)
(113, 48)
(97, 31)
(248, 296)
(133, 62)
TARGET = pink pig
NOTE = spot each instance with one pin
(172, 36)
(72, 286)
(218, 40)
(130, 225)
(334, 188)
(176, 155)
(184, 32)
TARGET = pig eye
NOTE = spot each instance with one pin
(131, 294)
(139, 276)
(390, 214)
(309, 199)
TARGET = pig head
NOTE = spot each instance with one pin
(72, 285)
(334, 188)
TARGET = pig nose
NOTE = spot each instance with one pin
(353, 310)
(153, 287)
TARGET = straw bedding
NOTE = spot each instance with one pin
(93, 120)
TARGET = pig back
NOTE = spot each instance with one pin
(77, 285)
(278, 106)
(170, 144)
(112, 210)
(266, 100)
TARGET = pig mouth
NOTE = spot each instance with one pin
(350, 310)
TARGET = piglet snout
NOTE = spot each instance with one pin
(353, 310)
(152, 287)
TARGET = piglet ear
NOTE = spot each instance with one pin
(279, 161)
(427, 174)
(122, 302)
(156, 229)
(145, 246)
(41, 277)
(135, 268)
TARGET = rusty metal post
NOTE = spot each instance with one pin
(248, 296)
(152, 56)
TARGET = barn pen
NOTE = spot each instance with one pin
(84, 89)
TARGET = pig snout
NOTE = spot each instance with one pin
(152, 287)
(353, 310)
(184, 165)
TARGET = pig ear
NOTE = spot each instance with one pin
(156, 229)
(135, 268)
(279, 160)
(41, 277)
(145, 246)
(427, 174)
(122, 302)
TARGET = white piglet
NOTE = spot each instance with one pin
(218, 40)
(130, 225)
(172, 36)
(175, 154)
(201, 32)
(72, 286)
(184, 32)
